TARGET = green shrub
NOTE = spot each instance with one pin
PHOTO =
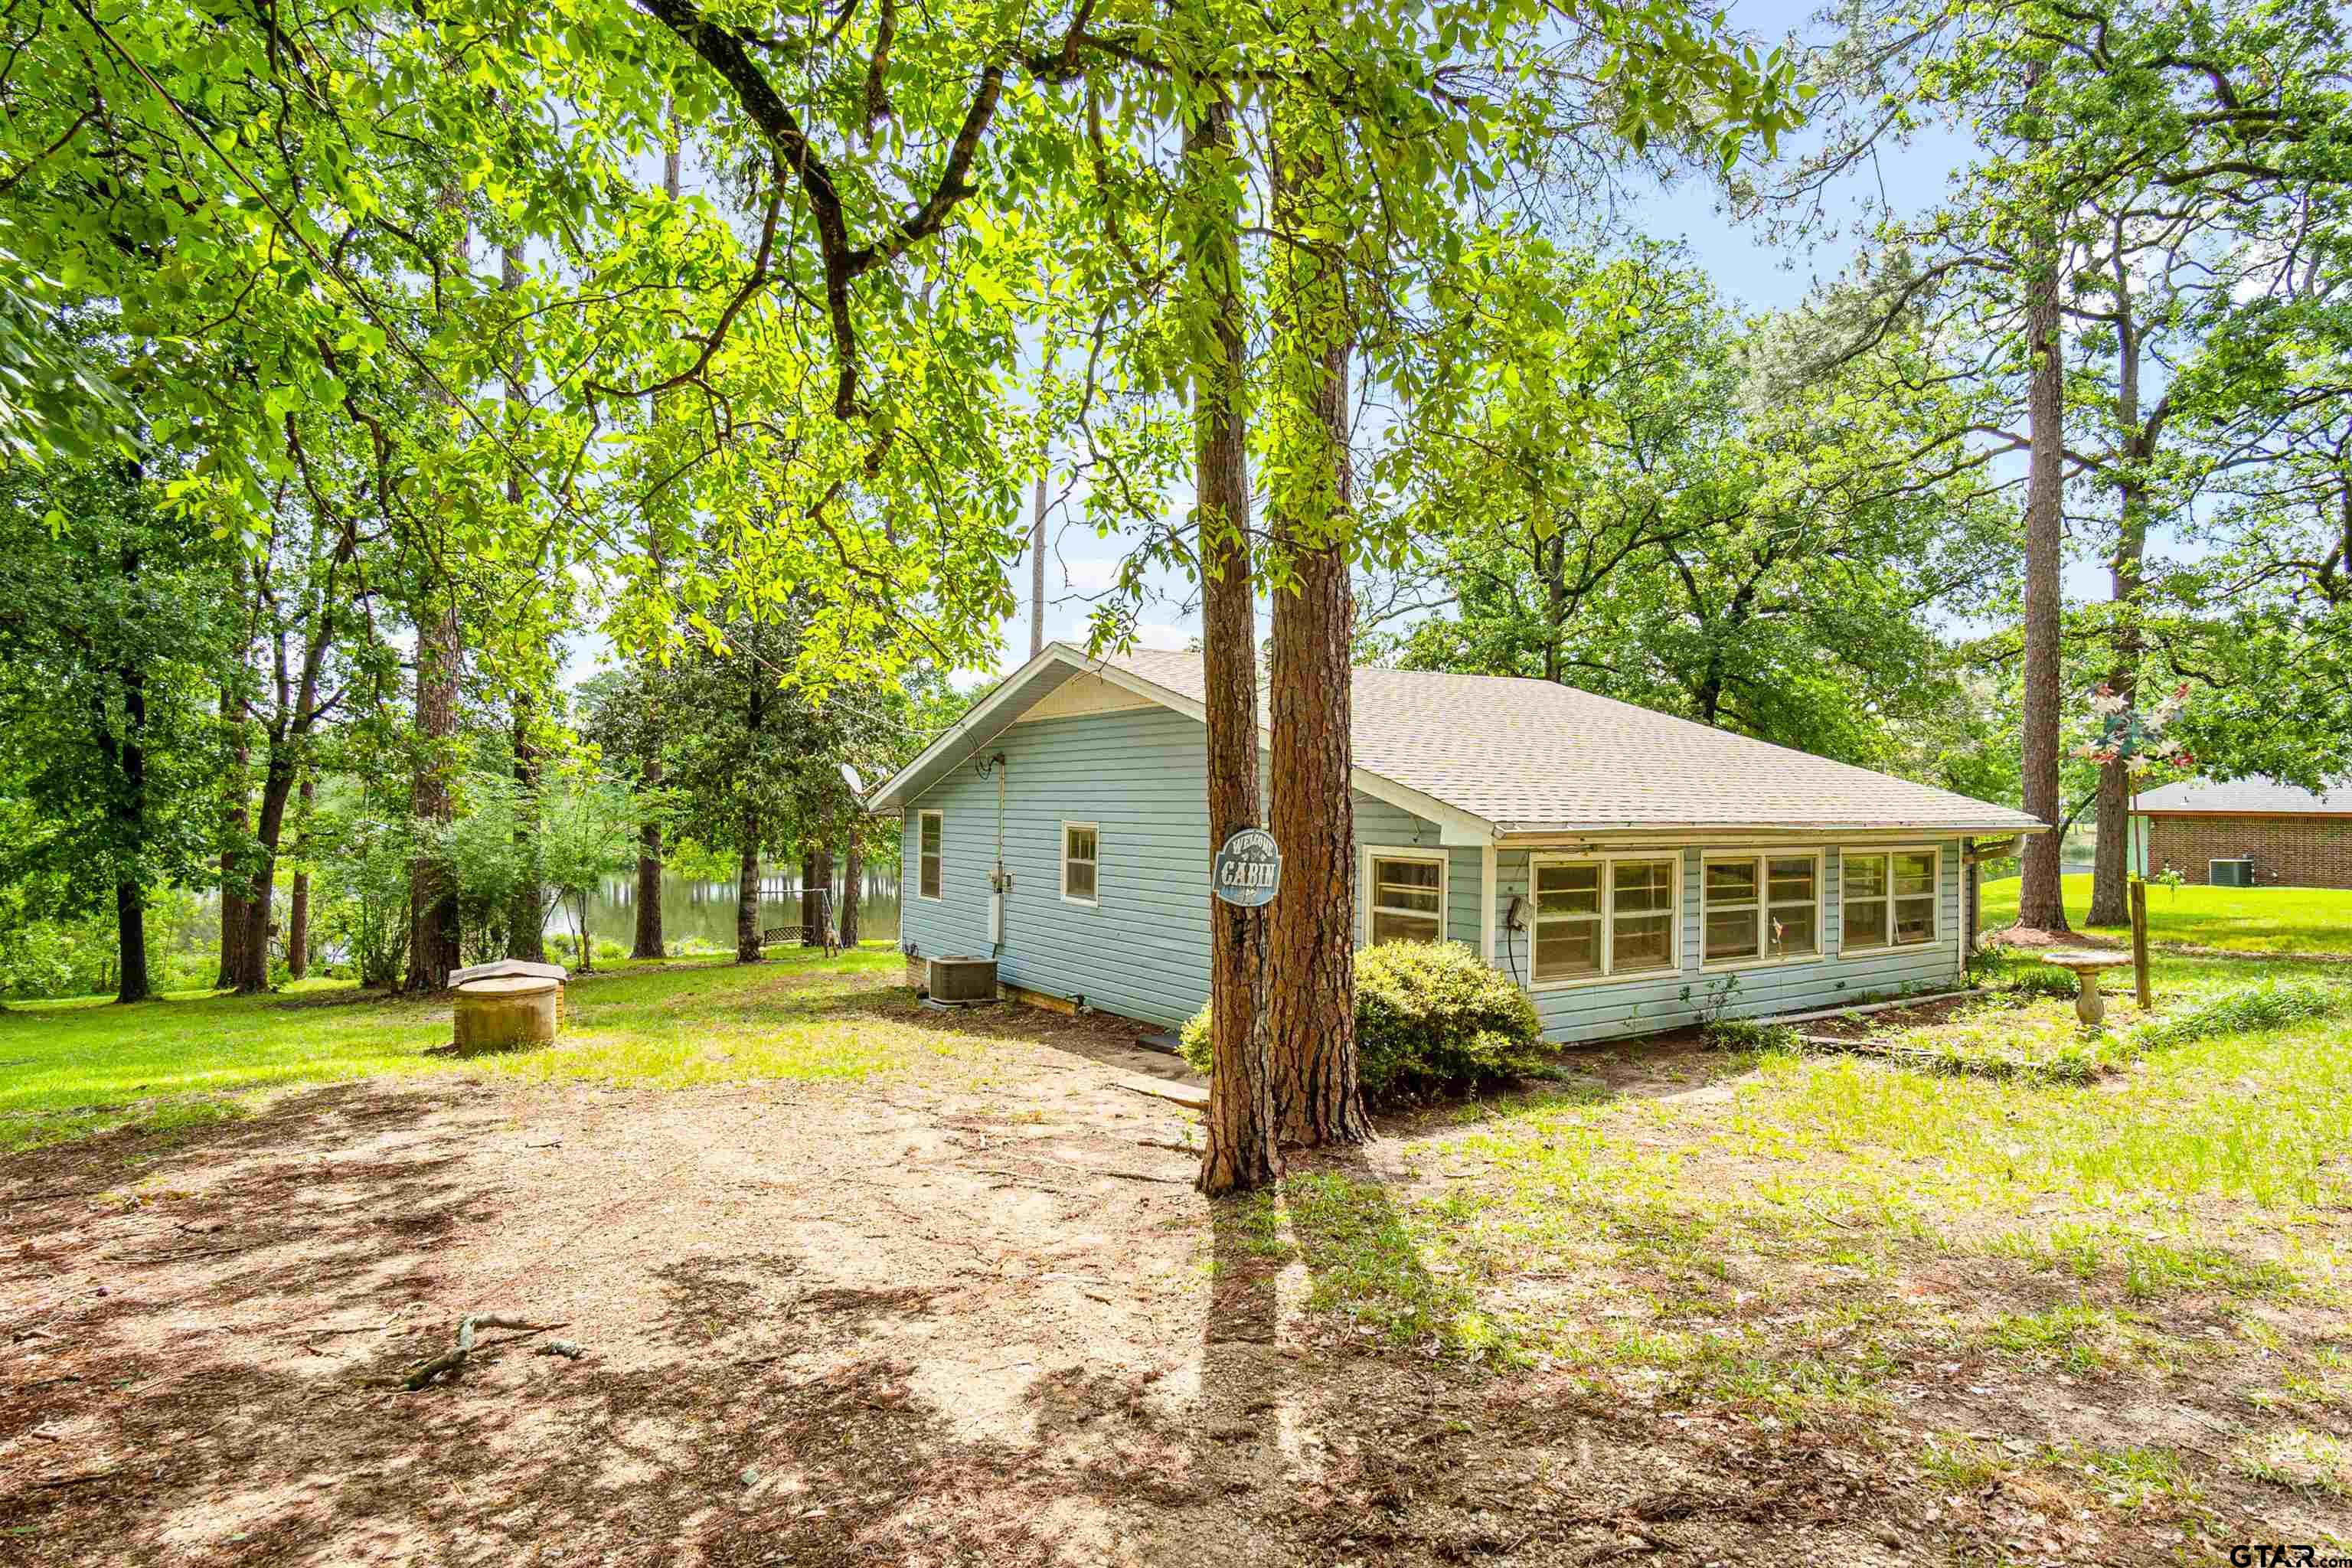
(1750, 1035)
(2019, 975)
(2269, 1004)
(1431, 1019)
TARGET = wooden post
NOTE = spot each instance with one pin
(2139, 940)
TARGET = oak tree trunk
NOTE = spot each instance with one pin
(131, 942)
(298, 900)
(649, 877)
(1240, 1153)
(747, 896)
(268, 831)
(853, 876)
(129, 757)
(527, 905)
(812, 924)
(2111, 873)
(2042, 902)
(433, 915)
(1311, 946)
(234, 826)
(432, 895)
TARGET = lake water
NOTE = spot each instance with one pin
(694, 908)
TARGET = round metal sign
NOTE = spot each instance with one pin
(1248, 871)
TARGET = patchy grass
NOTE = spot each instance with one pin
(79, 1067)
(2297, 1457)
(1853, 1241)
(2282, 920)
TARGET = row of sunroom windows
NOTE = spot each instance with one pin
(1618, 915)
(1613, 915)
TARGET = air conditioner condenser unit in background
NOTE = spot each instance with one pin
(962, 979)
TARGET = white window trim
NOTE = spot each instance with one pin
(1067, 898)
(1935, 898)
(1763, 857)
(1608, 975)
(941, 818)
(1371, 852)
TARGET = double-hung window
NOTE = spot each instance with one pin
(1080, 844)
(1604, 917)
(1888, 899)
(1404, 897)
(1760, 907)
(928, 834)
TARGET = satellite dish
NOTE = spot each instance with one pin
(849, 776)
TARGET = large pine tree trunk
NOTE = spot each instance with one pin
(746, 897)
(1240, 1153)
(812, 900)
(853, 874)
(432, 895)
(649, 878)
(297, 899)
(2042, 899)
(1311, 946)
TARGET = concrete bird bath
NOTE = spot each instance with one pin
(2089, 1005)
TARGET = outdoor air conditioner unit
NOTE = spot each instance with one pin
(962, 979)
(2230, 873)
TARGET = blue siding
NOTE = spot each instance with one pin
(1143, 951)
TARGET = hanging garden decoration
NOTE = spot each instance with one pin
(2135, 737)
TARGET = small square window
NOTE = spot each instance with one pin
(1407, 900)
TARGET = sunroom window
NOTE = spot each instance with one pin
(1888, 899)
(1761, 906)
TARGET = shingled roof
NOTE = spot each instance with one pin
(1533, 755)
(1494, 756)
(2245, 797)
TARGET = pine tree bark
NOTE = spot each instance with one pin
(297, 899)
(812, 900)
(1240, 1153)
(2042, 899)
(746, 895)
(1311, 946)
(852, 876)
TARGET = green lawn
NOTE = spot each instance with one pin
(70, 1068)
(2250, 920)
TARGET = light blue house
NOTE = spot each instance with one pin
(1630, 870)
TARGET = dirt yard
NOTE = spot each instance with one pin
(971, 1315)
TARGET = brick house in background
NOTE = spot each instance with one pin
(2296, 839)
